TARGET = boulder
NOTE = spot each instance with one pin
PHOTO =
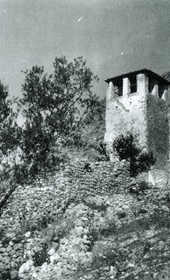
(25, 268)
(54, 258)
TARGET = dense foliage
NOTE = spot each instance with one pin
(9, 132)
(6, 119)
(127, 147)
(56, 108)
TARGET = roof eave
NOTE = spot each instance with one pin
(147, 71)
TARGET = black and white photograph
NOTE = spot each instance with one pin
(84, 140)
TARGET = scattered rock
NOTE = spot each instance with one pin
(28, 234)
(51, 252)
(55, 245)
(24, 268)
(54, 258)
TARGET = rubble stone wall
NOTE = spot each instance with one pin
(31, 206)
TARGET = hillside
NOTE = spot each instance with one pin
(86, 221)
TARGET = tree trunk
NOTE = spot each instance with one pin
(7, 195)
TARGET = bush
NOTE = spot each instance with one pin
(138, 187)
(41, 256)
(101, 149)
(127, 147)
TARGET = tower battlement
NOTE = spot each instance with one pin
(139, 102)
(142, 82)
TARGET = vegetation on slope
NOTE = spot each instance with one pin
(47, 229)
(57, 109)
(71, 236)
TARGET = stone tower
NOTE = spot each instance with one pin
(138, 102)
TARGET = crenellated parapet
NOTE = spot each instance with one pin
(139, 102)
(140, 82)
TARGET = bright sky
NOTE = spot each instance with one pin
(114, 36)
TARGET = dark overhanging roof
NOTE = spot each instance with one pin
(134, 73)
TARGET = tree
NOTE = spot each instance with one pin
(55, 107)
(4, 102)
(10, 172)
(4, 114)
(4, 111)
(9, 130)
(127, 147)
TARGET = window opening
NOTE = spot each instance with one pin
(151, 85)
(118, 88)
(133, 84)
(161, 90)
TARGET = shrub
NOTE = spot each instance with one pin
(138, 187)
(127, 147)
(103, 154)
(41, 256)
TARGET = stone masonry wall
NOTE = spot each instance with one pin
(36, 213)
(43, 201)
(126, 114)
(158, 130)
(98, 178)
(143, 114)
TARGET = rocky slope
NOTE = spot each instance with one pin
(86, 223)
